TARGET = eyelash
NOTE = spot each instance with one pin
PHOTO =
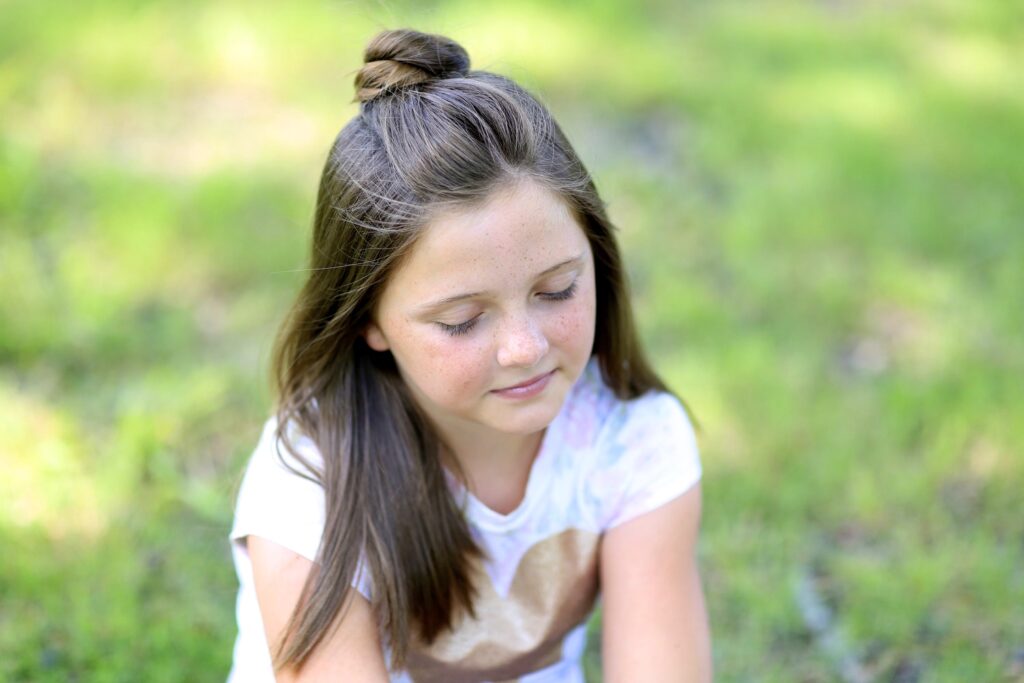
(463, 328)
(566, 293)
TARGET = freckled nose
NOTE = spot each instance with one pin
(522, 344)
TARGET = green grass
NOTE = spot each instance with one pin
(821, 207)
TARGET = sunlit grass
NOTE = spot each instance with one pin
(47, 482)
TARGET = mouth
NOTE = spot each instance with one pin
(530, 387)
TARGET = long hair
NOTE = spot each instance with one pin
(430, 134)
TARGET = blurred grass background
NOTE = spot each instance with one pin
(822, 204)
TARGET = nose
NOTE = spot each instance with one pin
(522, 343)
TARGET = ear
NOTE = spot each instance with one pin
(375, 339)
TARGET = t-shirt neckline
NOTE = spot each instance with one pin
(491, 520)
(537, 481)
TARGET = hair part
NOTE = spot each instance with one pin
(431, 134)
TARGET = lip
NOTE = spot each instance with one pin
(527, 389)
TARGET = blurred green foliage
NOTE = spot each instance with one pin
(821, 205)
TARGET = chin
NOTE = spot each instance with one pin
(525, 427)
(529, 419)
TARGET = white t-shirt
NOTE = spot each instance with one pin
(602, 462)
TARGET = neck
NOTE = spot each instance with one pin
(496, 465)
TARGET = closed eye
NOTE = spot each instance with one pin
(566, 293)
(464, 327)
(459, 328)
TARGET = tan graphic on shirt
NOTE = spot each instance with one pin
(553, 591)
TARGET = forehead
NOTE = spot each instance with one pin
(519, 231)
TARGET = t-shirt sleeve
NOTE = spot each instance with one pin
(652, 457)
(279, 504)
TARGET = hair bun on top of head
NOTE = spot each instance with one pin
(395, 59)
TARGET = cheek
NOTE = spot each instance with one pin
(451, 367)
(573, 326)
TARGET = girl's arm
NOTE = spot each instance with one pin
(351, 652)
(655, 624)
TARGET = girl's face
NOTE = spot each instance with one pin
(490, 317)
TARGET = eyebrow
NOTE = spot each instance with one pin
(434, 305)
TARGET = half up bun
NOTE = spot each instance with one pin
(396, 59)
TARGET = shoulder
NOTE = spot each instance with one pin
(280, 497)
(655, 419)
(284, 452)
(644, 454)
(652, 420)
(595, 419)
(302, 447)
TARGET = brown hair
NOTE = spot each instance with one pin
(430, 134)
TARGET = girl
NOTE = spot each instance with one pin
(467, 433)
